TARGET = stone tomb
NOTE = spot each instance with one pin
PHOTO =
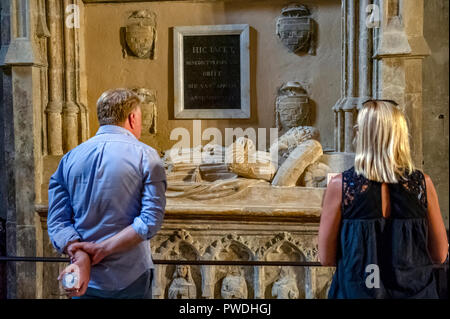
(261, 222)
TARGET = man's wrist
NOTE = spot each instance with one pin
(80, 256)
(66, 249)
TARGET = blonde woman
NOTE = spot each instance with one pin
(381, 224)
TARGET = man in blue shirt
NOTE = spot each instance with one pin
(106, 200)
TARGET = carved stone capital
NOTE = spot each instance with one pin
(26, 26)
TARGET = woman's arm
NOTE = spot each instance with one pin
(437, 236)
(330, 221)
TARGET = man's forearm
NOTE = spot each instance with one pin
(122, 241)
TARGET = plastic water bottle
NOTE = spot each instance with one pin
(70, 280)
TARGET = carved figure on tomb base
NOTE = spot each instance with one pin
(286, 286)
(182, 286)
(234, 286)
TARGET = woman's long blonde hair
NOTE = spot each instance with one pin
(382, 142)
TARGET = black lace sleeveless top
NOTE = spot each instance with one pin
(382, 257)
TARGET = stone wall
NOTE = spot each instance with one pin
(436, 100)
(2, 253)
(3, 188)
(271, 63)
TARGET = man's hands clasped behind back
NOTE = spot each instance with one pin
(95, 251)
(81, 266)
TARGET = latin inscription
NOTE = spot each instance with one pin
(212, 72)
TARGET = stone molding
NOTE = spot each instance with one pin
(27, 25)
(230, 239)
(356, 87)
(381, 62)
(399, 51)
(393, 39)
(66, 114)
(243, 247)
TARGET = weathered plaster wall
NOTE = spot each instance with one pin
(436, 100)
(271, 63)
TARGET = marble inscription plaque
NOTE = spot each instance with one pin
(212, 72)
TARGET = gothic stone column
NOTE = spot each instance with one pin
(357, 48)
(55, 71)
(400, 51)
(21, 60)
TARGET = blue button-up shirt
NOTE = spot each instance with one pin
(102, 186)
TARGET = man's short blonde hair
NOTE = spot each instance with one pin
(114, 106)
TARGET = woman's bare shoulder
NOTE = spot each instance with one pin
(334, 188)
(335, 181)
(427, 177)
(428, 182)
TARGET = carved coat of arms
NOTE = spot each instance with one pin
(140, 34)
(292, 107)
(148, 107)
(295, 28)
